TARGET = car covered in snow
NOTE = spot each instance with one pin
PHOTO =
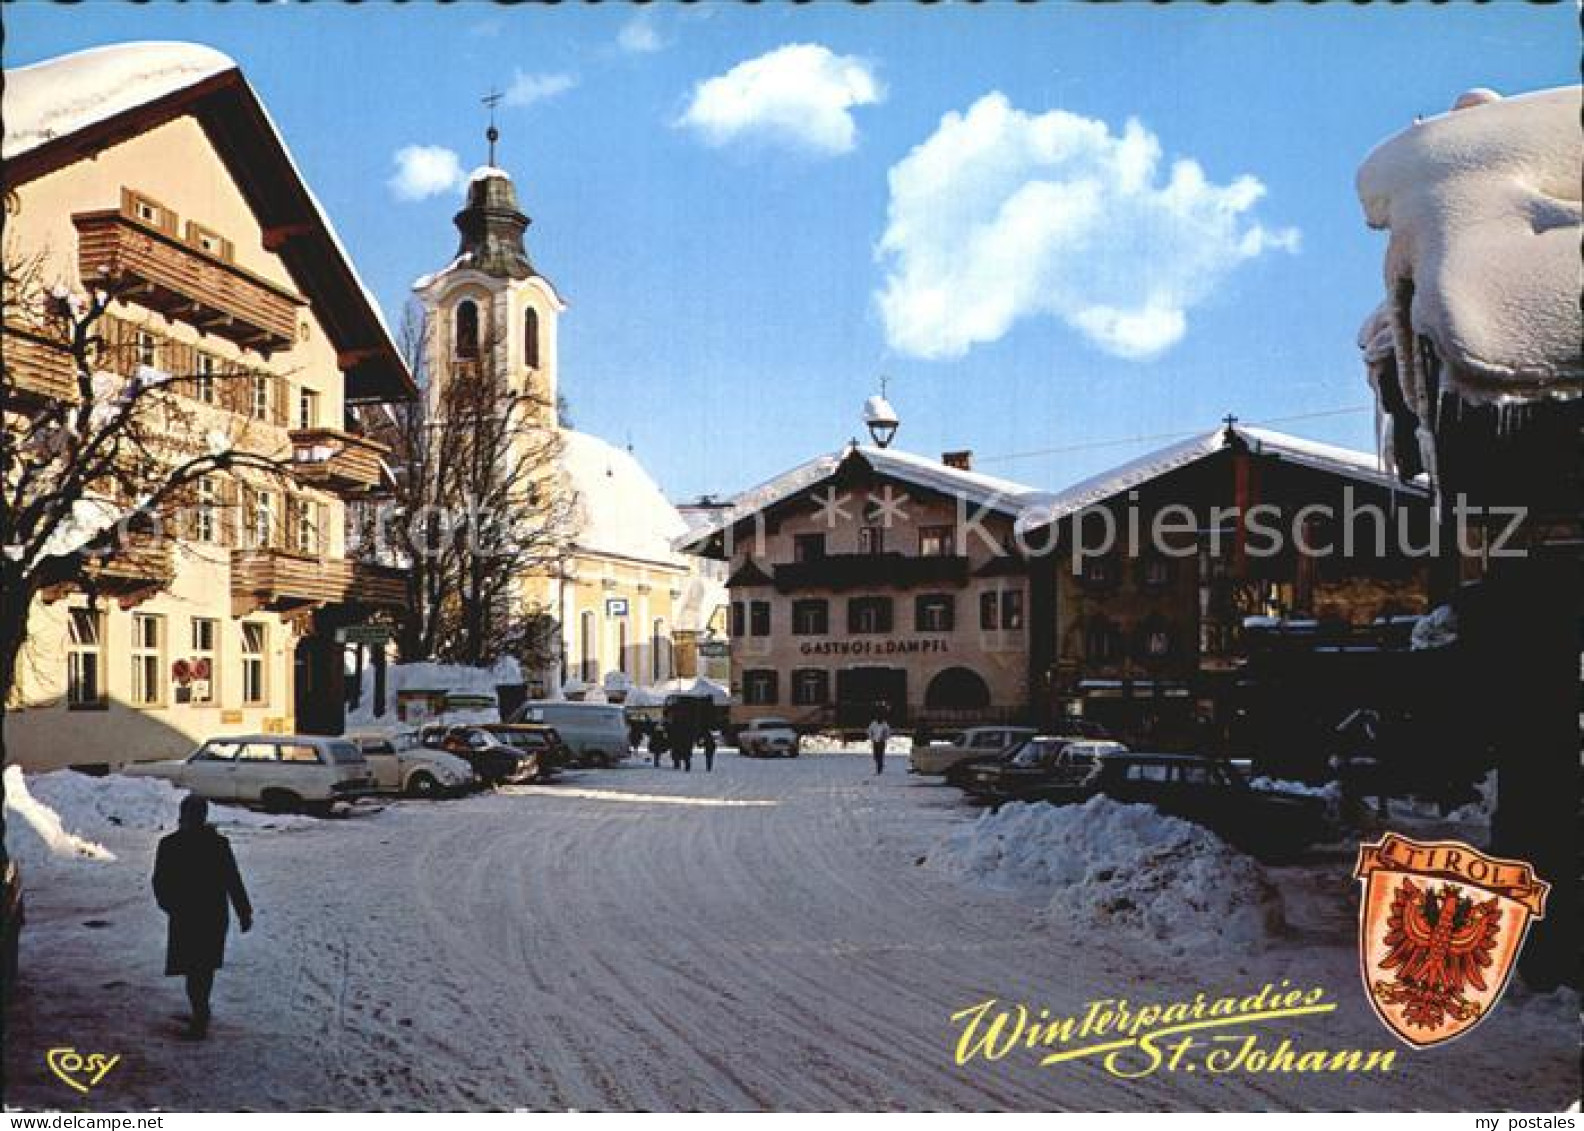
(595, 733)
(1042, 768)
(1215, 793)
(975, 742)
(278, 771)
(768, 738)
(493, 761)
(402, 764)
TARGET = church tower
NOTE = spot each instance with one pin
(489, 308)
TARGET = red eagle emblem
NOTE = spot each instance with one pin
(1440, 929)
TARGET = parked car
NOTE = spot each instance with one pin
(975, 742)
(1215, 793)
(278, 771)
(13, 916)
(596, 733)
(493, 761)
(768, 738)
(544, 742)
(1042, 768)
(402, 764)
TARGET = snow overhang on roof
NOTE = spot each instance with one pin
(1483, 206)
(977, 490)
(1329, 458)
(622, 511)
(72, 107)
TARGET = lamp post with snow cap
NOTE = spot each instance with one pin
(880, 418)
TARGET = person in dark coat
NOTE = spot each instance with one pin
(709, 750)
(195, 875)
(683, 739)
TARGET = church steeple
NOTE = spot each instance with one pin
(491, 222)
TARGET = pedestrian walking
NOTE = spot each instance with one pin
(709, 750)
(195, 877)
(879, 735)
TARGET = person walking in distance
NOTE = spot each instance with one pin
(709, 750)
(195, 876)
(879, 735)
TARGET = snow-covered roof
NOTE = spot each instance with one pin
(58, 98)
(1261, 441)
(622, 512)
(67, 94)
(975, 488)
(1483, 207)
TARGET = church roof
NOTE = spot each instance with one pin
(492, 224)
(621, 511)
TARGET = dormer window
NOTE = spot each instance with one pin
(531, 338)
(467, 330)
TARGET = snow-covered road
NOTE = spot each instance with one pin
(763, 937)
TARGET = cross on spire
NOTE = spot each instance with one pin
(884, 381)
(492, 99)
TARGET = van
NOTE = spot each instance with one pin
(595, 733)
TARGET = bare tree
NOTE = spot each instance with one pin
(479, 506)
(101, 453)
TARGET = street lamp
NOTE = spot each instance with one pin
(881, 420)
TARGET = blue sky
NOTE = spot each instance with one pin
(743, 259)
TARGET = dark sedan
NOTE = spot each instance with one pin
(495, 762)
(1042, 768)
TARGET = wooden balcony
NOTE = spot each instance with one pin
(336, 460)
(870, 571)
(37, 367)
(281, 581)
(159, 271)
(140, 566)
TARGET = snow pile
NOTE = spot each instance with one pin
(1479, 812)
(450, 679)
(1112, 865)
(35, 834)
(835, 744)
(620, 509)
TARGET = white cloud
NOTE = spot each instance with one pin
(800, 95)
(1002, 215)
(425, 170)
(526, 89)
(640, 35)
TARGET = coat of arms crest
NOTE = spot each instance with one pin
(1440, 928)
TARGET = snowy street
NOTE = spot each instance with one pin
(762, 937)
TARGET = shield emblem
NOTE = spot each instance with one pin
(1440, 928)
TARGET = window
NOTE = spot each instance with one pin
(808, 547)
(935, 542)
(467, 329)
(306, 534)
(531, 338)
(759, 618)
(1012, 608)
(209, 242)
(810, 618)
(1099, 573)
(1157, 572)
(871, 540)
(307, 409)
(255, 687)
(262, 520)
(146, 210)
(147, 346)
(759, 688)
(621, 645)
(933, 612)
(810, 687)
(1102, 641)
(147, 660)
(85, 659)
(204, 370)
(259, 397)
(989, 606)
(739, 623)
(588, 656)
(206, 518)
(869, 614)
(259, 752)
(196, 683)
(302, 752)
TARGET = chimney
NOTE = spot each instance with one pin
(961, 460)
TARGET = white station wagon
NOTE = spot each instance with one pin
(278, 771)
